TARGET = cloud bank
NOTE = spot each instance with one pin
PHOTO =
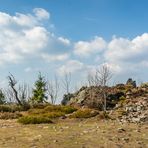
(27, 36)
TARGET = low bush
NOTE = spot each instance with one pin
(5, 108)
(84, 113)
(9, 115)
(68, 109)
(59, 108)
(52, 108)
(53, 114)
(52, 111)
(40, 105)
(34, 120)
(36, 111)
(13, 108)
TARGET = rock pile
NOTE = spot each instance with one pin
(136, 110)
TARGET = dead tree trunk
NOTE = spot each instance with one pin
(12, 83)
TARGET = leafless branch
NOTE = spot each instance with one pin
(67, 82)
(53, 89)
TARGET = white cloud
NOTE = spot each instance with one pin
(120, 49)
(51, 58)
(24, 35)
(122, 55)
(144, 64)
(28, 69)
(41, 13)
(127, 54)
(17, 45)
(71, 66)
(3, 84)
(64, 41)
(23, 20)
(4, 19)
(32, 69)
(9, 57)
(85, 48)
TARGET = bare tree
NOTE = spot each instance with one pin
(53, 89)
(90, 79)
(12, 83)
(67, 81)
(24, 92)
(93, 79)
(104, 75)
(9, 94)
(101, 78)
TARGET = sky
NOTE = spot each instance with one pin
(76, 36)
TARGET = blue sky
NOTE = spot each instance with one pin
(82, 19)
(76, 36)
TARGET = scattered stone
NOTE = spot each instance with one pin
(80, 125)
(119, 146)
(97, 127)
(55, 141)
(63, 117)
(125, 139)
(110, 139)
(66, 127)
(138, 131)
(103, 132)
(37, 138)
(45, 127)
(81, 134)
(33, 146)
(85, 132)
(121, 130)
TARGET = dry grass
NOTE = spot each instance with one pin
(34, 120)
(9, 115)
(73, 133)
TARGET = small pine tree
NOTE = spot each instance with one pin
(2, 97)
(39, 92)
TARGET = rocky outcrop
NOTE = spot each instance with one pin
(87, 97)
(93, 97)
(127, 100)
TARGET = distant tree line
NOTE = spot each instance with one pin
(45, 91)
